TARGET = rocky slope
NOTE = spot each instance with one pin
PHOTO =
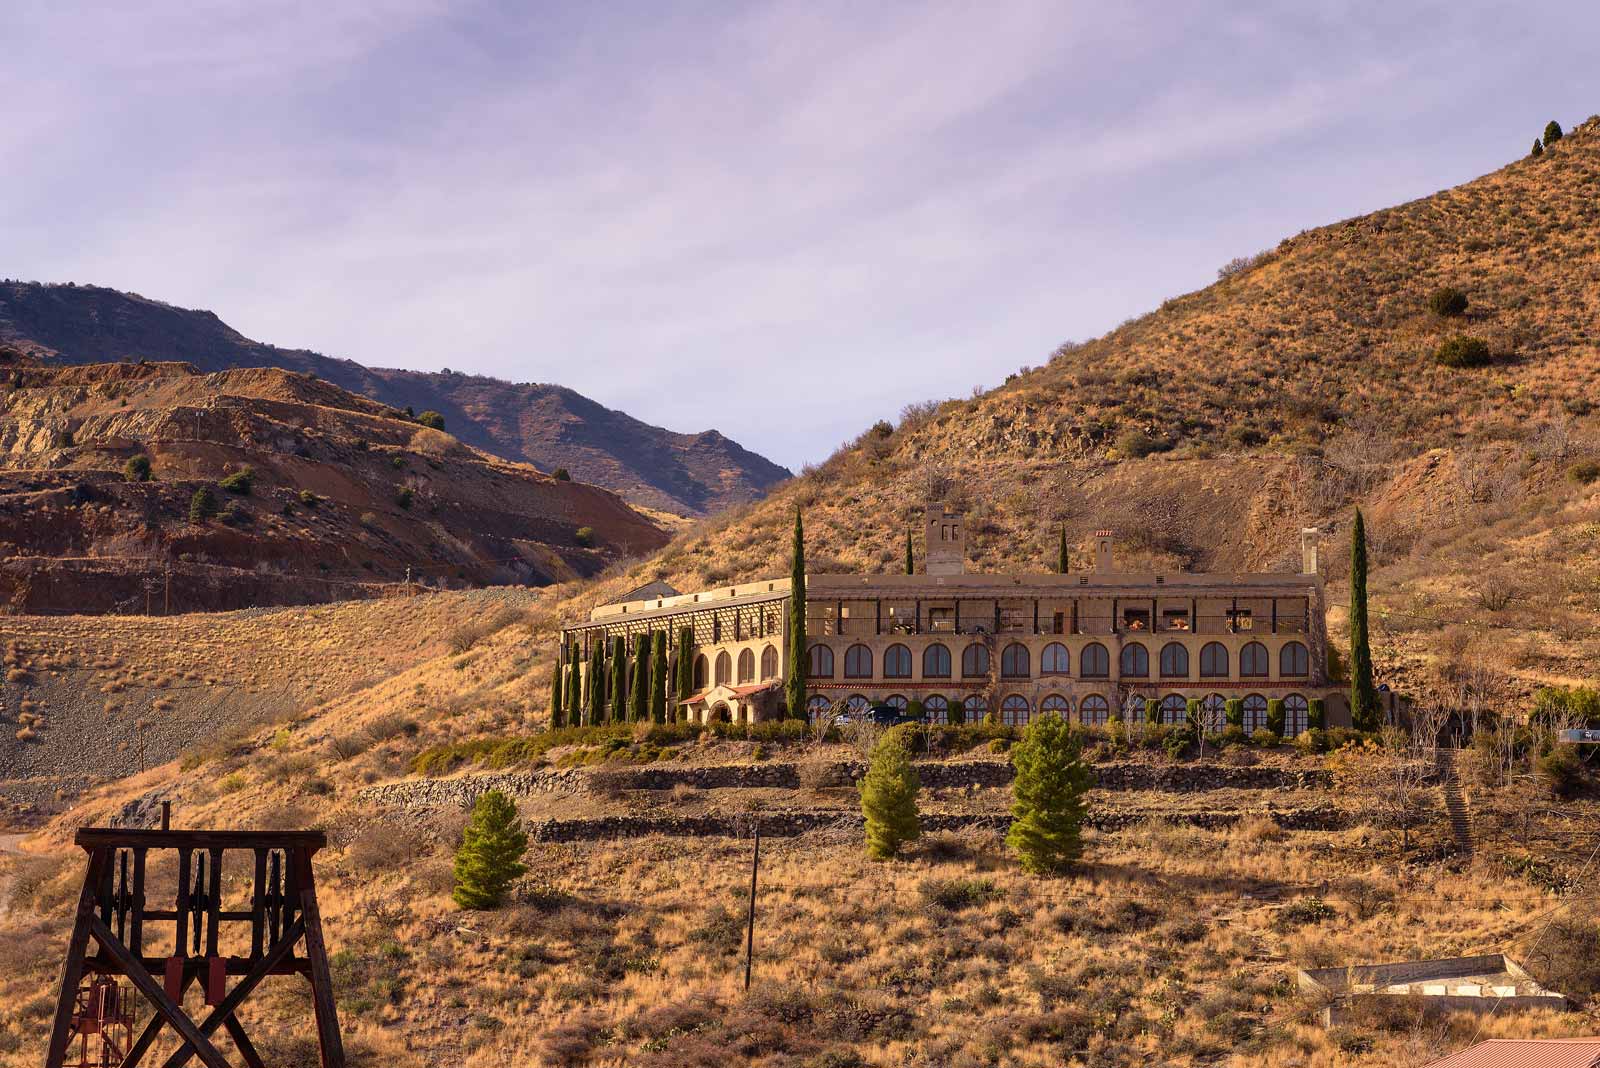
(1301, 384)
(345, 496)
(546, 425)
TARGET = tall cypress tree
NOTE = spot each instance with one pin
(911, 559)
(685, 671)
(639, 690)
(658, 678)
(1062, 561)
(619, 680)
(1363, 697)
(573, 703)
(557, 684)
(795, 685)
(595, 697)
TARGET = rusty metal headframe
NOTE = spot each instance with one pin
(113, 915)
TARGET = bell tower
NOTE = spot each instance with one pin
(944, 539)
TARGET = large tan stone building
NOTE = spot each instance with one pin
(1080, 644)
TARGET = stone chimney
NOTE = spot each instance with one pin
(1102, 550)
(944, 540)
(1310, 542)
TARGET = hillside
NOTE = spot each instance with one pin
(1208, 432)
(546, 425)
(344, 497)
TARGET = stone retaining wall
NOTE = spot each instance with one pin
(462, 791)
(789, 824)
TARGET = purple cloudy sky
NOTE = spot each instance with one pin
(784, 221)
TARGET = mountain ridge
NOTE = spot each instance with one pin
(548, 425)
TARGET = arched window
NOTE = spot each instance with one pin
(1255, 713)
(1135, 661)
(974, 661)
(747, 666)
(817, 705)
(769, 662)
(897, 662)
(936, 662)
(1214, 661)
(1014, 710)
(856, 705)
(897, 701)
(1055, 660)
(975, 708)
(1296, 714)
(937, 709)
(821, 662)
(1094, 710)
(1133, 708)
(724, 669)
(1174, 661)
(1014, 662)
(700, 672)
(858, 662)
(1294, 661)
(1094, 662)
(1174, 708)
(1214, 712)
(1253, 661)
(1056, 704)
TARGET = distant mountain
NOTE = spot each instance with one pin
(548, 426)
(317, 495)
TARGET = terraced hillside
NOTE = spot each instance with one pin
(316, 494)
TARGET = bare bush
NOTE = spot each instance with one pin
(381, 847)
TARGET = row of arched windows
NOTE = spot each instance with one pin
(1093, 710)
(724, 667)
(1094, 661)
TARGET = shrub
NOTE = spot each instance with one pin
(1447, 302)
(490, 856)
(404, 498)
(309, 499)
(1316, 713)
(1275, 715)
(1563, 772)
(432, 420)
(889, 799)
(137, 469)
(1050, 796)
(1584, 471)
(202, 506)
(1135, 444)
(1307, 910)
(1311, 740)
(1462, 351)
(1567, 957)
(585, 537)
(1241, 436)
(1232, 736)
(958, 894)
(240, 482)
(1263, 738)
(1233, 713)
(563, 475)
(1552, 133)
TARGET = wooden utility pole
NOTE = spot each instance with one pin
(750, 933)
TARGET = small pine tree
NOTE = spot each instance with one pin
(1063, 560)
(557, 713)
(432, 420)
(137, 469)
(658, 678)
(203, 505)
(563, 475)
(490, 856)
(1050, 794)
(1363, 697)
(889, 798)
(639, 683)
(1552, 133)
(1538, 149)
(619, 680)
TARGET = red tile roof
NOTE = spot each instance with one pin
(1526, 1053)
